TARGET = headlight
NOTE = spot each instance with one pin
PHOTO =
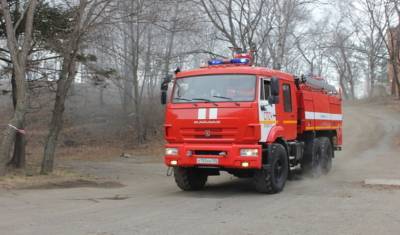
(249, 152)
(171, 151)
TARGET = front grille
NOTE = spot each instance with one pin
(208, 137)
(209, 152)
(209, 133)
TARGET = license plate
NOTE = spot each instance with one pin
(207, 160)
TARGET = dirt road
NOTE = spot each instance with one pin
(152, 204)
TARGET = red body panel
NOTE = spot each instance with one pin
(236, 123)
(287, 120)
(231, 160)
(319, 104)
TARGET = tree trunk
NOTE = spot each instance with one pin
(352, 90)
(18, 158)
(372, 77)
(54, 131)
(395, 56)
(396, 84)
(19, 56)
(344, 89)
(395, 81)
(5, 147)
(135, 50)
(138, 109)
(127, 84)
(17, 120)
(171, 38)
(63, 85)
(67, 76)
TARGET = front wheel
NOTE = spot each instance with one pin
(189, 179)
(272, 177)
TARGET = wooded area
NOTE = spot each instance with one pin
(131, 44)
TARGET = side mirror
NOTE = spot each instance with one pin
(163, 97)
(165, 82)
(273, 99)
(164, 88)
(274, 86)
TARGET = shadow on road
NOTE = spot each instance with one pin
(231, 188)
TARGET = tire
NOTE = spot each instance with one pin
(272, 177)
(189, 179)
(312, 157)
(326, 155)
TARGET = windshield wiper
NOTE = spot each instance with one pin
(222, 97)
(203, 99)
(177, 98)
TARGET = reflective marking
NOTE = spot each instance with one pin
(202, 114)
(271, 122)
(268, 122)
(213, 113)
(290, 122)
(324, 116)
(316, 128)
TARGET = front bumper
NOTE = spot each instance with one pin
(187, 156)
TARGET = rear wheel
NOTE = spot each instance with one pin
(312, 157)
(326, 155)
(189, 179)
(318, 156)
(272, 177)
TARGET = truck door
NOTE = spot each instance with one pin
(267, 114)
(288, 112)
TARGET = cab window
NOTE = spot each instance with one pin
(215, 88)
(265, 93)
(287, 98)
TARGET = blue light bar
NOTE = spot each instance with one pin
(215, 62)
(240, 61)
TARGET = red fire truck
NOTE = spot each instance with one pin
(250, 122)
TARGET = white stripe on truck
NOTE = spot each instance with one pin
(213, 113)
(324, 116)
(202, 114)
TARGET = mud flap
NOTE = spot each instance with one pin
(169, 171)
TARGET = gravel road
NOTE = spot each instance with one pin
(151, 203)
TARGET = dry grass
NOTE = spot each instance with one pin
(30, 178)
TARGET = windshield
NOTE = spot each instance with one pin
(215, 88)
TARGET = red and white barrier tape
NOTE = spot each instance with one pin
(18, 130)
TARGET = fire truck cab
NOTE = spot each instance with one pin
(249, 121)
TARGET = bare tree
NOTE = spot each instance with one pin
(87, 15)
(237, 20)
(313, 47)
(371, 42)
(287, 17)
(341, 56)
(382, 13)
(19, 51)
